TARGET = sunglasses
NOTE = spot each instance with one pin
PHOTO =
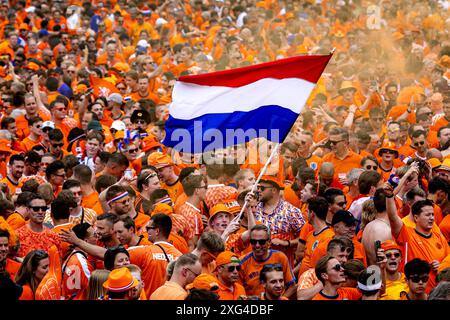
(420, 143)
(37, 208)
(338, 267)
(347, 250)
(262, 188)
(61, 109)
(390, 255)
(57, 145)
(389, 152)
(232, 268)
(369, 167)
(335, 142)
(132, 150)
(417, 279)
(260, 241)
(140, 122)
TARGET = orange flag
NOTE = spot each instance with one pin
(102, 88)
(50, 286)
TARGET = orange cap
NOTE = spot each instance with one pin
(204, 281)
(149, 142)
(390, 245)
(32, 66)
(159, 160)
(434, 163)
(5, 146)
(232, 205)
(23, 26)
(119, 135)
(220, 207)
(226, 257)
(120, 280)
(162, 208)
(121, 67)
(81, 88)
(273, 181)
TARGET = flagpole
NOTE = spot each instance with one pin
(275, 149)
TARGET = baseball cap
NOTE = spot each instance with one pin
(227, 257)
(48, 124)
(204, 281)
(5, 146)
(118, 125)
(343, 216)
(445, 165)
(143, 43)
(95, 125)
(159, 160)
(120, 280)
(149, 143)
(115, 97)
(120, 66)
(162, 208)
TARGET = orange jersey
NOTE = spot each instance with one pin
(312, 242)
(250, 268)
(174, 190)
(12, 267)
(30, 240)
(153, 262)
(428, 248)
(169, 291)
(342, 294)
(352, 160)
(193, 216)
(16, 220)
(92, 201)
(233, 293)
(217, 193)
(75, 278)
(444, 226)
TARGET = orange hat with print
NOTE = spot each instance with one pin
(226, 257)
(204, 281)
(273, 181)
(231, 203)
(162, 208)
(120, 280)
(149, 142)
(5, 146)
(390, 245)
(159, 160)
(218, 208)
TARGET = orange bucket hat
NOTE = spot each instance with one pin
(120, 280)
(390, 245)
(273, 181)
(220, 207)
(159, 160)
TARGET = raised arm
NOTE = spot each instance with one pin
(394, 219)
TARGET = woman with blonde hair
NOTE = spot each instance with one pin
(95, 288)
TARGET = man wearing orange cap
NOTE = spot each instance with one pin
(169, 180)
(187, 268)
(120, 284)
(220, 217)
(5, 152)
(228, 267)
(205, 281)
(284, 220)
(387, 165)
(395, 280)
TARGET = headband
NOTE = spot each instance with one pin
(120, 196)
(371, 287)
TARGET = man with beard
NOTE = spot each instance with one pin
(118, 200)
(443, 135)
(417, 274)
(34, 235)
(125, 231)
(16, 168)
(395, 280)
(284, 220)
(31, 111)
(228, 267)
(331, 273)
(79, 214)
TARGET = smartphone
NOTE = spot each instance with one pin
(377, 246)
(393, 180)
(128, 174)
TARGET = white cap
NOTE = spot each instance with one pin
(115, 97)
(143, 43)
(118, 125)
(160, 21)
(30, 9)
(48, 124)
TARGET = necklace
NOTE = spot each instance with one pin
(387, 223)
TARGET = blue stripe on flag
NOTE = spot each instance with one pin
(208, 132)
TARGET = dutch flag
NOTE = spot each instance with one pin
(224, 108)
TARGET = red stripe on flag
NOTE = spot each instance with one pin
(308, 68)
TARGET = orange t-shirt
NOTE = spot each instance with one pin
(312, 242)
(250, 269)
(75, 278)
(12, 267)
(445, 227)
(352, 160)
(291, 197)
(342, 294)
(152, 261)
(16, 221)
(428, 248)
(169, 291)
(27, 293)
(225, 293)
(92, 201)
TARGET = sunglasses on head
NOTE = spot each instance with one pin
(232, 268)
(369, 167)
(417, 278)
(421, 143)
(260, 241)
(390, 255)
(38, 208)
